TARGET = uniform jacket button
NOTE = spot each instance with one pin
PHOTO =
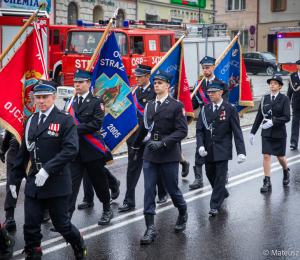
(213, 142)
(37, 148)
(37, 139)
(38, 159)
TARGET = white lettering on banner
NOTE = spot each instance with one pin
(233, 63)
(136, 61)
(172, 67)
(103, 133)
(17, 113)
(111, 63)
(114, 131)
(117, 54)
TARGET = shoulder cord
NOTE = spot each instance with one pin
(145, 120)
(297, 89)
(208, 127)
(262, 110)
(29, 146)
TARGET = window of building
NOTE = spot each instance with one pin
(243, 37)
(56, 37)
(165, 43)
(120, 19)
(72, 14)
(278, 5)
(236, 5)
(136, 45)
(187, 14)
(97, 14)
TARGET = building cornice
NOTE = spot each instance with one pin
(194, 9)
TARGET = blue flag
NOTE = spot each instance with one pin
(110, 82)
(232, 70)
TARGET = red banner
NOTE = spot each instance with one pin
(17, 77)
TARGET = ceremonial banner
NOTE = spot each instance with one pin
(232, 70)
(110, 82)
(17, 77)
(174, 65)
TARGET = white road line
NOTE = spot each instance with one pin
(159, 210)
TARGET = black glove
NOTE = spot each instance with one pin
(2, 156)
(133, 153)
(155, 145)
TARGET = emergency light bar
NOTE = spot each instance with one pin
(101, 23)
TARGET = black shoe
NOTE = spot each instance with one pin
(181, 220)
(286, 177)
(185, 168)
(198, 182)
(115, 192)
(80, 250)
(85, 205)
(33, 253)
(46, 216)
(10, 224)
(293, 146)
(6, 243)
(226, 194)
(213, 212)
(70, 214)
(125, 207)
(267, 185)
(162, 200)
(150, 233)
(106, 218)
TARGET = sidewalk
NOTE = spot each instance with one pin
(246, 120)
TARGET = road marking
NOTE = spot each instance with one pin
(159, 210)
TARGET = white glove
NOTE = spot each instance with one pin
(13, 190)
(241, 158)
(41, 177)
(251, 139)
(202, 151)
(267, 125)
(147, 137)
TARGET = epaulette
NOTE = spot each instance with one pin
(63, 112)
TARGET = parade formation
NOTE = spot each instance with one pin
(55, 149)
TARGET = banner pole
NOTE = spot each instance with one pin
(96, 51)
(11, 44)
(221, 57)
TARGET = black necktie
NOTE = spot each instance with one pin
(80, 101)
(273, 98)
(41, 121)
(158, 105)
(216, 108)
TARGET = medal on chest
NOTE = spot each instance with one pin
(222, 116)
(53, 130)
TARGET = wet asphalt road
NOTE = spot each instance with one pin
(250, 225)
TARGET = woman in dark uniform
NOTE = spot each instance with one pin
(274, 111)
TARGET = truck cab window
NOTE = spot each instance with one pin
(56, 37)
(165, 43)
(136, 45)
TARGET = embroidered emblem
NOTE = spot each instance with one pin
(102, 107)
(183, 112)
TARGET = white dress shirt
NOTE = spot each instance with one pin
(219, 104)
(271, 95)
(144, 88)
(45, 113)
(209, 80)
(161, 101)
(84, 96)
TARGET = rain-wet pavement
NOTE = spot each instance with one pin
(250, 225)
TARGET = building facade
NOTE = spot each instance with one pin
(237, 13)
(275, 13)
(70, 11)
(176, 10)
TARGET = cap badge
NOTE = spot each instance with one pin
(77, 71)
(205, 58)
(158, 72)
(40, 82)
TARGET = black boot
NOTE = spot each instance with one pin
(181, 220)
(286, 177)
(267, 185)
(107, 214)
(33, 253)
(10, 223)
(150, 233)
(46, 216)
(70, 214)
(185, 168)
(198, 182)
(79, 248)
(6, 244)
(115, 192)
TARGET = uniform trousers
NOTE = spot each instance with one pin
(216, 174)
(295, 127)
(88, 186)
(169, 173)
(34, 214)
(134, 170)
(10, 202)
(95, 170)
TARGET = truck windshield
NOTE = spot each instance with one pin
(87, 41)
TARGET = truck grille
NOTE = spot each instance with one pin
(68, 79)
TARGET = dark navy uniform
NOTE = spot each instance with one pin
(217, 141)
(134, 168)
(50, 146)
(294, 95)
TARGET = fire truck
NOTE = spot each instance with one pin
(288, 47)
(142, 45)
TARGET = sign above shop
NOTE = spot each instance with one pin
(25, 4)
(192, 3)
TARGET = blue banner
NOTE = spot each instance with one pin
(110, 82)
(230, 71)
